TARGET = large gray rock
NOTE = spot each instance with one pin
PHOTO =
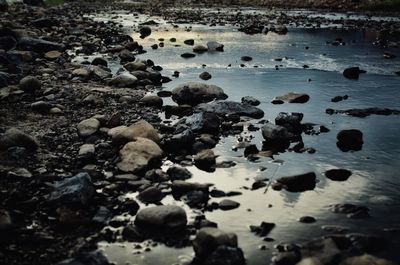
(14, 137)
(165, 218)
(275, 133)
(203, 122)
(139, 129)
(124, 80)
(208, 239)
(38, 45)
(76, 190)
(139, 154)
(88, 127)
(194, 93)
(231, 108)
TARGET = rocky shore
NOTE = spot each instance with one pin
(75, 138)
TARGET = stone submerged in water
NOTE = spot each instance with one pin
(14, 137)
(205, 76)
(164, 219)
(352, 73)
(193, 93)
(361, 113)
(293, 97)
(263, 229)
(250, 100)
(208, 239)
(350, 140)
(296, 183)
(231, 108)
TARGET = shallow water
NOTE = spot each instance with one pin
(375, 182)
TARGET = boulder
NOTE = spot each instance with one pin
(293, 97)
(208, 239)
(291, 121)
(100, 61)
(352, 73)
(145, 31)
(152, 101)
(124, 80)
(30, 84)
(200, 49)
(135, 66)
(338, 174)
(278, 137)
(76, 190)
(250, 101)
(178, 173)
(350, 140)
(226, 205)
(88, 127)
(164, 219)
(138, 155)
(140, 128)
(205, 160)
(38, 45)
(203, 122)
(180, 187)
(231, 108)
(193, 93)
(225, 255)
(14, 137)
(151, 195)
(297, 183)
(215, 46)
(180, 141)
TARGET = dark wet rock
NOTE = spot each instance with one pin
(280, 29)
(87, 258)
(291, 121)
(293, 97)
(263, 229)
(277, 101)
(200, 49)
(151, 195)
(16, 138)
(178, 173)
(124, 80)
(30, 84)
(352, 73)
(205, 76)
(164, 93)
(215, 46)
(258, 185)
(189, 42)
(180, 187)
(145, 32)
(367, 243)
(165, 218)
(139, 154)
(179, 142)
(225, 255)
(203, 122)
(188, 55)
(298, 183)
(152, 101)
(193, 93)
(339, 98)
(250, 150)
(102, 216)
(140, 128)
(277, 137)
(88, 127)
(135, 66)
(307, 219)
(100, 61)
(246, 58)
(38, 45)
(42, 106)
(208, 239)
(156, 175)
(205, 160)
(7, 42)
(227, 205)
(323, 250)
(76, 190)
(335, 229)
(338, 174)
(250, 101)
(351, 210)
(232, 108)
(388, 55)
(131, 233)
(350, 140)
(361, 113)
(126, 56)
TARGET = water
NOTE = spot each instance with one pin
(375, 182)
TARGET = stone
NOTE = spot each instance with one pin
(188, 55)
(152, 101)
(193, 93)
(138, 155)
(124, 80)
(205, 160)
(227, 204)
(338, 174)
(352, 73)
(351, 210)
(291, 121)
(293, 97)
(307, 219)
(180, 187)
(205, 76)
(179, 173)
(76, 190)
(250, 101)
(362, 113)
(324, 250)
(263, 229)
(215, 46)
(350, 140)
(278, 136)
(3, 5)
(189, 42)
(38, 45)
(151, 195)
(87, 258)
(5, 220)
(145, 31)
(231, 108)
(81, 72)
(180, 141)
(16, 138)
(246, 58)
(88, 127)
(86, 151)
(102, 216)
(225, 255)
(52, 55)
(200, 49)
(30, 84)
(135, 66)
(208, 239)
(165, 219)
(298, 183)
(140, 128)
(100, 61)
(203, 122)
(126, 56)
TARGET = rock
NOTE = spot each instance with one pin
(100, 61)
(5, 220)
(126, 56)
(365, 260)
(164, 219)
(88, 127)
(99, 72)
(151, 195)
(291, 121)
(225, 255)
(338, 174)
(138, 155)
(14, 137)
(178, 173)
(388, 55)
(351, 210)
(263, 229)
(324, 250)
(180, 187)
(208, 239)
(38, 45)
(87, 258)
(246, 58)
(307, 219)
(189, 42)
(124, 80)
(205, 76)
(226, 205)
(135, 66)
(250, 101)
(86, 151)
(280, 29)
(152, 101)
(215, 46)
(361, 113)
(102, 216)
(350, 140)
(188, 55)
(231, 108)
(140, 128)
(352, 73)
(286, 258)
(76, 190)
(205, 160)
(81, 72)
(19, 173)
(193, 93)
(203, 122)
(130, 233)
(180, 141)
(200, 49)
(145, 32)
(298, 183)
(52, 55)
(277, 136)
(5, 79)
(293, 97)
(30, 84)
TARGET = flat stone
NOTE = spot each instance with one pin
(165, 218)
(88, 127)
(140, 128)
